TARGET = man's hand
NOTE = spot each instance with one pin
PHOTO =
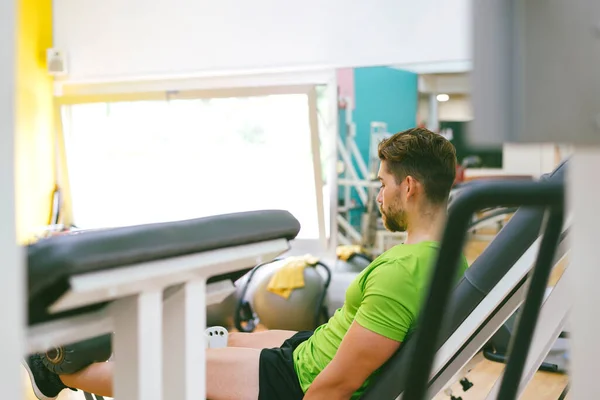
(360, 354)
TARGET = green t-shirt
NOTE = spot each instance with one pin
(384, 298)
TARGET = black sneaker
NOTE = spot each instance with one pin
(46, 384)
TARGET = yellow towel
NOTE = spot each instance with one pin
(290, 276)
(345, 252)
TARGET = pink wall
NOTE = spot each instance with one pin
(345, 78)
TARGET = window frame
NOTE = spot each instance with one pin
(206, 87)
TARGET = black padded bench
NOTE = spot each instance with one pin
(91, 283)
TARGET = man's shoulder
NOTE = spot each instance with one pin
(391, 266)
(407, 255)
(409, 261)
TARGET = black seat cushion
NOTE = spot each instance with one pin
(52, 261)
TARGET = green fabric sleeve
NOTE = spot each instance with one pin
(390, 300)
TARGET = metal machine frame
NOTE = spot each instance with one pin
(547, 194)
(156, 340)
(515, 55)
(454, 359)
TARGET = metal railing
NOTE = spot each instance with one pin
(548, 195)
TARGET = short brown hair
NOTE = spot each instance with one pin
(426, 156)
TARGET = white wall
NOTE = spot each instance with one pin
(458, 108)
(451, 83)
(129, 39)
(528, 159)
(522, 159)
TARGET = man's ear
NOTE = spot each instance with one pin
(412, 186)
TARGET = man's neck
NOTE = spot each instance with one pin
(427, 225)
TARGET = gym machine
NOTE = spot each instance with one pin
(150, 282)
(520, 46)
(493, 288)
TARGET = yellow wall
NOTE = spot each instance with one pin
(35, 115)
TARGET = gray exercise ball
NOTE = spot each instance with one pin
(295, 313)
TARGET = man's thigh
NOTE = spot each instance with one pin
(259, 340)
(232, 373)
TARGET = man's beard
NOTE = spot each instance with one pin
(393, 220)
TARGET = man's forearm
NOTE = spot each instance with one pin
(327, 387)
(327, 393)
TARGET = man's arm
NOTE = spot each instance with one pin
(360, 354)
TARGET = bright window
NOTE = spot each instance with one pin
(153, 161)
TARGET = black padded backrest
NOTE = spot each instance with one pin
(488, 269)
(52, 261)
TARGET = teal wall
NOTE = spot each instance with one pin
(383, 94)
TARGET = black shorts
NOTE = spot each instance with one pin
(277, 377)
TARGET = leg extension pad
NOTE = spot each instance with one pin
(73, 358)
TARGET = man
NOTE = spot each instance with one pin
(340, 358)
